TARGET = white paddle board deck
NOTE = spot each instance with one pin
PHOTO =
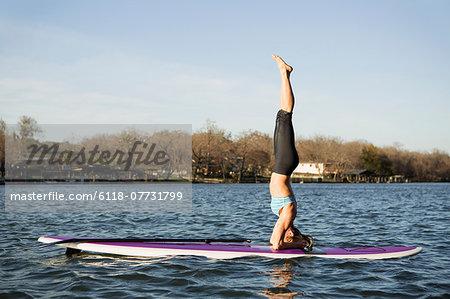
(223, 250)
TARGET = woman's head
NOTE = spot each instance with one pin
(293, 235)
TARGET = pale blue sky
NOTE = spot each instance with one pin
(372, 70)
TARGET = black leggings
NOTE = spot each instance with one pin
(286, 157)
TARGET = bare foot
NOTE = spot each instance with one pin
(282, 66)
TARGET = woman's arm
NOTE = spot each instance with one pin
(286, 219)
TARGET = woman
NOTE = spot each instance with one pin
(285, 235)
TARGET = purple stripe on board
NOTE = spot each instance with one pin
(247, 248)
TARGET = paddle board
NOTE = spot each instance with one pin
(220, 250)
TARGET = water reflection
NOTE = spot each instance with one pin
(280, 277)
(104, 260)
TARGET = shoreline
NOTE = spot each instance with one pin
(201, 181)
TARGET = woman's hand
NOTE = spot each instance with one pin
(301, 244)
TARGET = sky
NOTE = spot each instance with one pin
(363, 70)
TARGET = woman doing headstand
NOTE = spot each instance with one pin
(285, 235)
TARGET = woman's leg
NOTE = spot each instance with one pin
(286, 96)
(286, 157)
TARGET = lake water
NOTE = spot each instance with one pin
(336, 215)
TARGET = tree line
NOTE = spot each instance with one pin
(129, 154)
(218, 154)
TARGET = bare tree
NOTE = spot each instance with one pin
(2, 147)
(28, 127)
(253, 151)
(211, 148)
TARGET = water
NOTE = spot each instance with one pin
(336, 215)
